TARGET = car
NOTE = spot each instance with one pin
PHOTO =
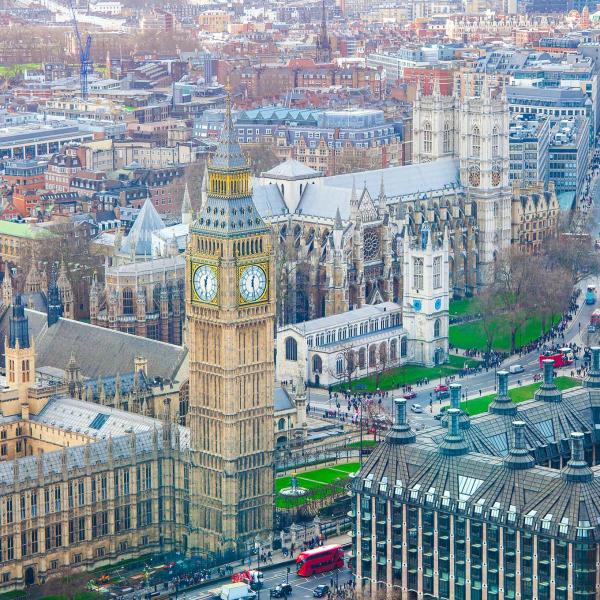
(409, 395)
(283, 590)
(441, 388)
(416, 408)
(515, 369)
(320, 591)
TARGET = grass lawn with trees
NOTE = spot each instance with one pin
(477, 406)
(316, 480)
(472, 335)
(407, 375)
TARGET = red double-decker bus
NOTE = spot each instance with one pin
(319, 560)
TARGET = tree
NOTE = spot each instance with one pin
(262, 157)
(488, 306)
(514, 289)
(347, 359)
(194, 172)
(572, 249)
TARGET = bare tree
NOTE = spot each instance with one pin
(348, 360)
(261, 156)
(489, 307)
(573, 250)
(514, 290)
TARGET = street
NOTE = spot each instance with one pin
(303, 586)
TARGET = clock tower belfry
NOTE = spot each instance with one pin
(230, 308)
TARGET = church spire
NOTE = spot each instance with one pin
(323, 54)
(229, 153)
(186, 207)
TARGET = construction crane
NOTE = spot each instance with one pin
(84, 54)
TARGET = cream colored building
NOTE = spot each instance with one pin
(535, 215)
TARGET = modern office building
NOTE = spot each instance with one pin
(559, 103)
(32, 140)
(528, 139)
(504, 505)
(569, 157)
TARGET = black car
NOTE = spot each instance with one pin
(282, 590)
(320, 591)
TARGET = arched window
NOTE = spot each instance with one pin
(291, 349)
(403, 347)
(447, 140)
(427, 138)
(476, 143)
(362, 358)
(495, 142)
(436, 328)
(339, 365)
(394, 350)
(156, 298)
(128, 302)
(317, 364)
(383, 353)
(373, 356)
(351, 358)
(281, 424)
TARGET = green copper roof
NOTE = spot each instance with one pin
(24, 230)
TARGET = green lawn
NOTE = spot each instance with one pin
(471, 335)
(477, 406)
(463, 306)
(365, 444)
(314, 480)
(410, 374)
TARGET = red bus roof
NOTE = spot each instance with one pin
(319, 550)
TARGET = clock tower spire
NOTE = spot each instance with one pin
(231, 315)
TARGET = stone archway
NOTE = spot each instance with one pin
(29, 575)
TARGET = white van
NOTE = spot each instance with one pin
(515, 369)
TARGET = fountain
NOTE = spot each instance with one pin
(294, 491)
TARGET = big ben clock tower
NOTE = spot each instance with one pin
(231, 313)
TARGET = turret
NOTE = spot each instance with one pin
(7, 290)
(186, 207)
(54, 307)
(19, 352)
(502, 403)
(518, 456)
(65, 290)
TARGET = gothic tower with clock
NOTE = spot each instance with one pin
(231, 315)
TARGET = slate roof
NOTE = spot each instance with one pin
(140, 235)
(291, 169)
(282, 400)
(401, 183)
(117, 432)
(99, 352)
(228, 155)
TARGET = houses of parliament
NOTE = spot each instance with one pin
(85, 484)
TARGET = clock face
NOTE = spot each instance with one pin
(417, 305)
(496, 176)
(438, 304)
(474, 176)
(253, 283)
(205, 283)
